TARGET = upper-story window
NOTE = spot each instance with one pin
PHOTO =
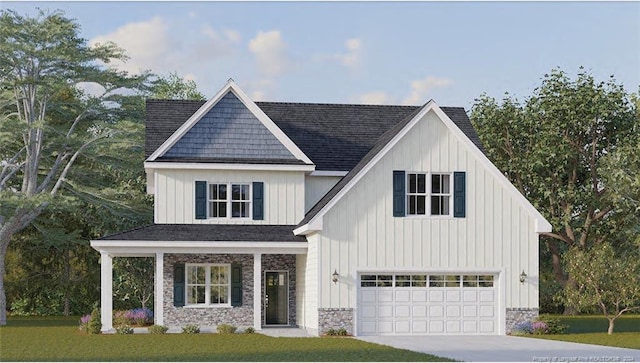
(440, 194)
(235, 204)
(416, 193)
(437, 197)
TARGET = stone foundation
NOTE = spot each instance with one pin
(241, 316)
(519, 315)
(336, 318)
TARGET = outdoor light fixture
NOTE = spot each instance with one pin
(334, 276)
(523, 276)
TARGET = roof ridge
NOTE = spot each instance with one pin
(334, 104)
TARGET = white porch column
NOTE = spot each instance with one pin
(106, 291)
(159, 296)
(257, 291)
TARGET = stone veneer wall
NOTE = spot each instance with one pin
(241, 316)
(335, 318)
(282, 263)
(519, 315)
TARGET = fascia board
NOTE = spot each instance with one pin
(151, 165)
(541, 224)
(329, 173)
(193, 245)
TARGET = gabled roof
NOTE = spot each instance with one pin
(334, 136)
(242, 121)
(313, 219)
(209, 233)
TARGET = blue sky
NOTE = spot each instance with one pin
(367, 52)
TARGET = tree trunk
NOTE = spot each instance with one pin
(5, 236)
(611, 323)
(568, 308)
(67, 284)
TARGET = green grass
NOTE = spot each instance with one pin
(592, 329)
(58, 339)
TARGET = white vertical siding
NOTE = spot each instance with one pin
(360, 231)
(311, 293)
(175, 195)
(301, 301)
(316, 187)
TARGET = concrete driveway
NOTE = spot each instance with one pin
(506, 349)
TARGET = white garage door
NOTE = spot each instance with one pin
(427, 304)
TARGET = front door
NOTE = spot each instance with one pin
(276, 298)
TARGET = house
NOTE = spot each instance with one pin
(375, 219)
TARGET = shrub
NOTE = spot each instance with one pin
(331, 332)
(249, 330)
(94, 325)
(158, 329)
(119, 318)
(539, 327)
(554, 326)
(84, 322)
(190, 329)
(342, 332)
(124, 329)
(139, 316)
(522, 328)
(226, 329)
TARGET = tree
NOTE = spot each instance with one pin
(175, 87)
(47, 123)
(606, 280)
(552, 149)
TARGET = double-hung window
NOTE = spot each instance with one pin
(223, 204)
(416, 193)
(440, 194)
(208, 284)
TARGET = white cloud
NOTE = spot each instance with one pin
(147, 44)
(375, 98)
(217, 43)
(420, 89)
(350, 57)
(91, 88)
(270, 52)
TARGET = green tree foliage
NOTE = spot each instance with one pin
(604, 280)
(175, 87)
(133, 282)
(552, 147)
(48, 125)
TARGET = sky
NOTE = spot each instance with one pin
(366, 52)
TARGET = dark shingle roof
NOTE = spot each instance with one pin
(209, 232)
(333, 136)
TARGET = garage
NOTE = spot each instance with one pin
(417, 303)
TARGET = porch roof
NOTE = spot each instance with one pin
(209, 233)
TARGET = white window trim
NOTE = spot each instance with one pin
(425, 194)
(229, 201)
(428, 194)
(207, 284)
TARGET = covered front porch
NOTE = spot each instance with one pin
(209, 275)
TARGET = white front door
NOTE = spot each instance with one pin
(427, 304)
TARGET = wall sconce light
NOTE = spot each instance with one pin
(334, 276)
(523, 276)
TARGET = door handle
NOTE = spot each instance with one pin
(266, 300)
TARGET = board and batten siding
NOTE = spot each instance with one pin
(175, 195)
(316, 187)
(360, 232)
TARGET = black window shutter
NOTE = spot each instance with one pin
(459, 191)
(178, 284)
(258, 201)
(398, 193)
(201, 199)
(236, 284)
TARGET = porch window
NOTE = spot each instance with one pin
(208, 284)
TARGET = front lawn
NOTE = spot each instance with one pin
(592, 329)
(58, 339)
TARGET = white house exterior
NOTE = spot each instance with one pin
(376, 219)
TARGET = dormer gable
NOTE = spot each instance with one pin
(230, 128)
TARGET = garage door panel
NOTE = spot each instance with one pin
(453, 296)
(416, 304)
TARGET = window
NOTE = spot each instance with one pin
(217, 200)
(221, 207)
(240, 200)
(416, 193)
(208, 284)
(440, 194)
